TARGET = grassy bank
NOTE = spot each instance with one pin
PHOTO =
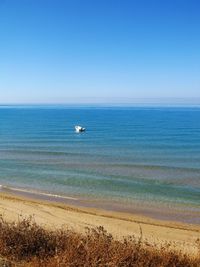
(25, 243)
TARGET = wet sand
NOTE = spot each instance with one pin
(55, 215)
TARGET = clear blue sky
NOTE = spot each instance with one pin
(58, 50)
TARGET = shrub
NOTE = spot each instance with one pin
(28, 244)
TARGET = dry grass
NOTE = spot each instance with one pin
(24, 243)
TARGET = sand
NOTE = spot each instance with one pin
(55, 215)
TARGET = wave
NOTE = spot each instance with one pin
(28, 191)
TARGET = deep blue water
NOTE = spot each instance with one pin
(126, 154)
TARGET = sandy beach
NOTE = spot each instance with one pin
(56, 215)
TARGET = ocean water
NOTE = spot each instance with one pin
(128, 157)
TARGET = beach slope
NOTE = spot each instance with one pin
(55, 215)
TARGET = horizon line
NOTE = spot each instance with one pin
(111, 101)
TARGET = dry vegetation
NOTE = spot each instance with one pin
(24, 243)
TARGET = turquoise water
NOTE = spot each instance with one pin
(126, 156)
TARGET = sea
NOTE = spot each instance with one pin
(140, 159)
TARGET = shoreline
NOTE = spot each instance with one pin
(52, 214)
(172, 212)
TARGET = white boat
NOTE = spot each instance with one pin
(79, 129)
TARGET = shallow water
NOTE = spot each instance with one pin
(126, 156)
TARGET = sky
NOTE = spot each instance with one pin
(60, 51)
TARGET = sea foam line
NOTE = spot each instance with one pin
(36, 192)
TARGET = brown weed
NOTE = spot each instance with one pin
(25, 243)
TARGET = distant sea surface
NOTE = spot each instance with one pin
(142, 159)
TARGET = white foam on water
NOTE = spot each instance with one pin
(36, 192)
